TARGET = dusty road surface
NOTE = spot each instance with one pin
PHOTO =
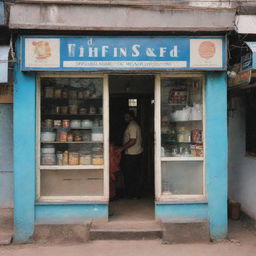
(242, 242)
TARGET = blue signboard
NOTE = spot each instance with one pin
(123, 53)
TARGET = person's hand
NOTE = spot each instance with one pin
(119, 150)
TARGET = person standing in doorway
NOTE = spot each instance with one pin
(131, 161)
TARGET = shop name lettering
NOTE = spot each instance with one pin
(117, 52)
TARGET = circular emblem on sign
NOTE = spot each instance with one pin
(207, 49)
(42, 50)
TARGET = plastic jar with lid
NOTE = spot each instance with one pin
(49, 92)
(97, 134)
(62, 135)
(48, 159)
(97, 155)
(73, 158)
(85, 158)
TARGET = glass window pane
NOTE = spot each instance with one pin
(182, 178)
(181, 117)
(71, 134)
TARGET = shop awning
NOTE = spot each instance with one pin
(246, 24)
(4, 52)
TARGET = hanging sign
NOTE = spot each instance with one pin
(123, 53)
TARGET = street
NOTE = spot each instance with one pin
(241, 242)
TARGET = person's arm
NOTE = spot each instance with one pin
(129, 144)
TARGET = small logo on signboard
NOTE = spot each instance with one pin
(42, 50)
(206, 53)
(207, 49)
(42, 53)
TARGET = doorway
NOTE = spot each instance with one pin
(136, 93)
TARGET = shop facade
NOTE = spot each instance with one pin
(61, 127)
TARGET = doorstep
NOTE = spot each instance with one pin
(126, 230)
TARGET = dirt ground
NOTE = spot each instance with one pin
(241, 242)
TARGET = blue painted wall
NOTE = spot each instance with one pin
(216, 152)
(195, 210)
(6, 156)
(69, 214)
(24, 152)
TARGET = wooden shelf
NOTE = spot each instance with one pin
(66, 99)
(186, 121)
(63, 115)
(180, 158)
(81, 128)
(200, 143)
(71, 167)
(72, 142)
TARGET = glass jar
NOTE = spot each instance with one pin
(49, 91)
(65, 158)
(65, 94)
(64, 110)
(48, 159)
(57, 93)
(73, 158)
(73, 94)
(85, 158)
(48, 123)
(97, 156)
(62, 135)
(73, 109)
(66, 123)
(59, 158)
(57, 123)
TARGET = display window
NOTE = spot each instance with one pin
(180, 161)
(71, 150)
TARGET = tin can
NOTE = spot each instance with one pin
(66, 123)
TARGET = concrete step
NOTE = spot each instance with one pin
(185, 230)
(62, 232)
(125, 230)
(6, 238)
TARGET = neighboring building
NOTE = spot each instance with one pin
(6, 132)
(242, 126)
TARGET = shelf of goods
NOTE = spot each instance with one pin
(189, 158)
(71, 167)
(72, 142)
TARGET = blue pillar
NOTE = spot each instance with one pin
(216, 152)
(24, 152)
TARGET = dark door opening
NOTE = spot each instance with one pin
(133, 92)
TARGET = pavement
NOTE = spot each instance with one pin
(241, 242)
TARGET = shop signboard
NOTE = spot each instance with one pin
(123, 53)
(252, 47)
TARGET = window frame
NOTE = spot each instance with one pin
(158, 159)
(52, 199)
